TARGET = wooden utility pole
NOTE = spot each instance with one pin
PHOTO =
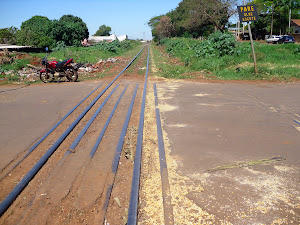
(239, 27)
(252, 46)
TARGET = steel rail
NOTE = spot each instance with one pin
(68, 152)
(80, 135)
(96, 145)
(112, 174)
(45, 136)
(296, 121)
(89, 123)
(29, 176)
(77, 140)
(166, 193)
(134, 195)
(116, 159)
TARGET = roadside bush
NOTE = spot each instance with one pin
(243, 48)
(108, 46)
(13, 78)
(60, 45)
(111, 46)
(8, 35)
(90, 54)
(217, 44)
(16, 65)
(114, 46)
(2, 71)
(224, 58)
(173, 45)
(297, 50)
(126, 44)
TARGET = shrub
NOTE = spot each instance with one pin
(174, 45)
(217, 44)
(13, 78)
(60, 45)
(297, 50)
(125, 44)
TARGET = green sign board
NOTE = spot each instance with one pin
(247, 13)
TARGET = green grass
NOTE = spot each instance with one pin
(138, 65)
(16, 65)
(165, 69)
(90, 54)
(279, 62)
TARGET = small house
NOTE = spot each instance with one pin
(295, 23)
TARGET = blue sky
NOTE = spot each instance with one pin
(124, 17)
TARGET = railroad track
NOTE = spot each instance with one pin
(74, 165)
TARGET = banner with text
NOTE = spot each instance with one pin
(247, 13)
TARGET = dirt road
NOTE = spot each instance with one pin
(27, 112)
(71, 188)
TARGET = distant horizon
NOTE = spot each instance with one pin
(130, 17)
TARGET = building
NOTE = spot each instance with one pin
(295, 23)
(111, 38)
(123, 37)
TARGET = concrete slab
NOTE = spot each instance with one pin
(216, 127)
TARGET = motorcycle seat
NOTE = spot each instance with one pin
(61, 64)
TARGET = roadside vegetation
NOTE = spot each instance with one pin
(64, 38)
(41, 32)
(200, 18)
(91, 54)
(12, 63)
(192, 41)
(220, 56)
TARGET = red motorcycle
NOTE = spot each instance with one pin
(54, 69)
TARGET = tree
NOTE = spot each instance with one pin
(38, 23)
(198, 17)
(70, 30)
(33, 38)
(275, 14)
(216, 12)
(39, 31)
(194, 15)
(8, 35)
(103, 31)
(165, 27)
(153, 22)
(35, 32)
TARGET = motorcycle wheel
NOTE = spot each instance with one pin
(72, 74)
(46, 77)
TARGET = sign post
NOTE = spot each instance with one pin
(248, 13)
